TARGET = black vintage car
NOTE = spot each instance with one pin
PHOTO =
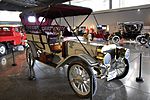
(127, 30)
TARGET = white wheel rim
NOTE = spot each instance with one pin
(2, 50)
(3, 61)
(143, 40)
(115, 39)
(120, 67)
(149, 42)
(138, 38)
(79, 79)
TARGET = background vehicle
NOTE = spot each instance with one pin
(127, 30)
(143, 39)
(46, 46)
(11, 35)
(102, 32)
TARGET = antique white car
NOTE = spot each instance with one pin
(86, 61)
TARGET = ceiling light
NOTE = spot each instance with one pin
(138, 10)
(32, 19)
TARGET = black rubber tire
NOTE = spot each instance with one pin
(148, 42)
(115, 39)
(143, 42)
(138, 39)
(126, 70)
(89, 71)
(5, 51)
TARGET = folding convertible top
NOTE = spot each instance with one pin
(57, 11)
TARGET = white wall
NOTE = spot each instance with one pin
(111, 18)
(9, 16)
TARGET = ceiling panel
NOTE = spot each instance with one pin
(19, 5)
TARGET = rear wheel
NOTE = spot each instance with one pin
(141, 39)
(2, 49)
(148, 42)
(115, 39)
(3, 61)
(122, 68)
(79, 79)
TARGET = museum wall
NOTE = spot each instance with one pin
(111, 17)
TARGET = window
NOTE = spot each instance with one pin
(128, 3)
(6, 29)
(98, 5)
(9, 16)
(116, 4)
(95, 5)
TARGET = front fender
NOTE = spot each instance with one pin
(83, 57)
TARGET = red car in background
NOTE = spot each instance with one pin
(11, 35)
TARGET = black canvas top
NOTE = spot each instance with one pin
(57, 11)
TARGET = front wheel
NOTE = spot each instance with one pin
(79, 79)
(122, 68)
(2, 49)
(143, 41)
